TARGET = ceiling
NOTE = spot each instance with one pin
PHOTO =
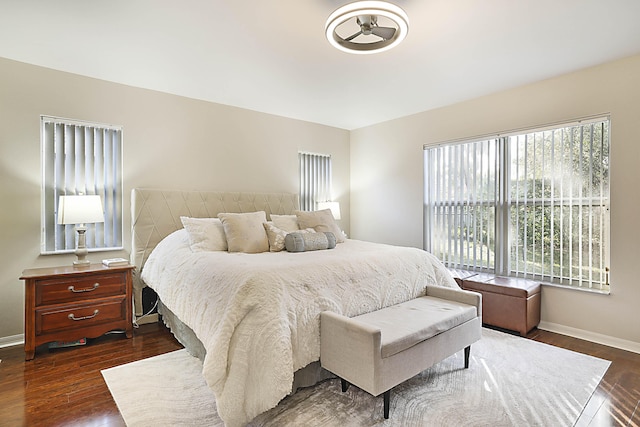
(272, 55)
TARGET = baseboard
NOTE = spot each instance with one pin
(149, 318)
(591, 336)
(12, 340)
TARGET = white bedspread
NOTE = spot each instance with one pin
(258, 314)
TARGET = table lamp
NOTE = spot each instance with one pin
(80, 210)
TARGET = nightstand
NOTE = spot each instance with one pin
(68, 303)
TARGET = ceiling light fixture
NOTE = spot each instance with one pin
(355, 27)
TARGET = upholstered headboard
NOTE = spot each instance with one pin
(156, 213)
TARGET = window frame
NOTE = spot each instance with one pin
(61, 239)
(315, 172)
(505, 202)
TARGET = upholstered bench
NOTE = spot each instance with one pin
(379, 350)
(509, 303)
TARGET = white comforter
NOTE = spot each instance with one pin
(258, 314)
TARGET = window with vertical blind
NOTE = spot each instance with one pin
(81, 158)
(315, 179)
(531, 204)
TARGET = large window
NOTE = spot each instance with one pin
(315, 180)
(529, 204)
(81, 158)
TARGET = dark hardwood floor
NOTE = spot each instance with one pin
(64, 387)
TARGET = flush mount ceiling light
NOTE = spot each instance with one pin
(367, 27)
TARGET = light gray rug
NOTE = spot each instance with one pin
(511, 381)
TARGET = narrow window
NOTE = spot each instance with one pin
(315, 180)
(81, 158)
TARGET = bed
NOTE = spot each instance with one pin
(254, 317)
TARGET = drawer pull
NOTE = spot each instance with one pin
(72, 317)
(74, 290)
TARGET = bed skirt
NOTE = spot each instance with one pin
(310, 375)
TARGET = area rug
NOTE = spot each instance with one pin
(511, 381)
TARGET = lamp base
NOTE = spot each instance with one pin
(81, 248)
(81, 263)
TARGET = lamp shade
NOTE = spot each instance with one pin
(80, 209)
(334, 206)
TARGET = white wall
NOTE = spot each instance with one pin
(169, 142)
(387, 181)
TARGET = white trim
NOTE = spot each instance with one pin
(11, 340)
(591, 336)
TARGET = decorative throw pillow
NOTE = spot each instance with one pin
(321, 221)
(205, 234)
(245, 232)
(301, 242)
(285, 222)
(275, 236)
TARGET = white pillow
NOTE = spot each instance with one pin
(276, 237)
(287, 223)
(320, 221)
(245, 232)
(205, 234)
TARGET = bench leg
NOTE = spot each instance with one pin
(386, 397)
(467, 352)
(345, 384)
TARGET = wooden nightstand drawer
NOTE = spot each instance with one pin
(52, 291)
(80, 316)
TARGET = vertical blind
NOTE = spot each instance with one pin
(315, 179)
(559, 203)
(531, 204)
(461, 193)
(81, 158)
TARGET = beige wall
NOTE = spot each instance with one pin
(387, 182)
(174, 142)
(169, 142)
